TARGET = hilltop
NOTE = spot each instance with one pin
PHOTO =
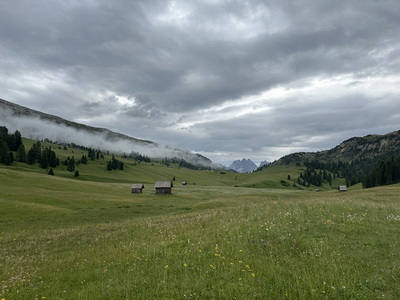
(370, 147)
(37, 125)
(356, 159)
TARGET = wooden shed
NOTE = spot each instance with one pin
(163, 187)
(137, 188)
(342, 188)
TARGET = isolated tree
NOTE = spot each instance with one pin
(76, 173)
(51, 172)
(84, 159)
(17, 140)
(92, 154)
(71, 164)
(43, 162)
(31, 157)
(5, 157)
(21, 154)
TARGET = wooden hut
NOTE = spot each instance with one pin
(137, 188)
(163, 187)
(342, 188)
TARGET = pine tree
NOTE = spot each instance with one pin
(21, 153)
(4, 153)
(31, 157)
(84, 159)
(71, 164)
(43, 161)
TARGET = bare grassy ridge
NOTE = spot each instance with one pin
(63, 238)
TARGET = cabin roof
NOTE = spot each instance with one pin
(137, 186)
(163, 184)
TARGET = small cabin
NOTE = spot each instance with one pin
(163, 187)
(137, 188)
(342, 188)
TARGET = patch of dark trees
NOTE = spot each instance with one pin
(384, 173)
(318, 172)
(10, 143)
(45, 157)
(183, 163)
(312, 176)
(115, 164)
(137, 156)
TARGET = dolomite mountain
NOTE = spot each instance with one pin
(243, 166)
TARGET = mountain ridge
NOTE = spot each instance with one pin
(371, 146)
(243, 166)
(32, 123)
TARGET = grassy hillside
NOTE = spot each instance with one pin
(88, 237)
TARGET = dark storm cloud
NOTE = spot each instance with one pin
(210, 76)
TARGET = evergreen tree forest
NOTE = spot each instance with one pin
(12, 149)
(318, 172)
(385, 172)
(115, 164)
(10, 143)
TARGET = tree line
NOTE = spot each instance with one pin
(10, 143)
(385, 172)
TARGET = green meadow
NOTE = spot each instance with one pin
(222, 236)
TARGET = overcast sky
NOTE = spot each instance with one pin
(227, 79)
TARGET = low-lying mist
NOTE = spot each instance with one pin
(37, 128)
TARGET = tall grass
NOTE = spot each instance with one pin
(66, 239)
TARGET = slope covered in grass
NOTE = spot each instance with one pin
(68, 238)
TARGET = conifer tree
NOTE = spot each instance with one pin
(5, 157)
(71, 164)
(31, 157)
(21, 153)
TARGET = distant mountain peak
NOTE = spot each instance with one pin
(243, 166)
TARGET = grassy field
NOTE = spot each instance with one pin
(222, 236)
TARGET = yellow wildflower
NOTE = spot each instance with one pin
(166, 266)
(185, 265)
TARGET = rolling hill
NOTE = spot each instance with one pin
(38, 125)
(370, 147)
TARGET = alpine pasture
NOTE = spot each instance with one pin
(223, 235)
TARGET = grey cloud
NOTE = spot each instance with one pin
(184, 58)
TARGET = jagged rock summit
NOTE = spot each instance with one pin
(243, 166)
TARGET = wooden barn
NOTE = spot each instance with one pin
(163, 187)
(137, 188)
